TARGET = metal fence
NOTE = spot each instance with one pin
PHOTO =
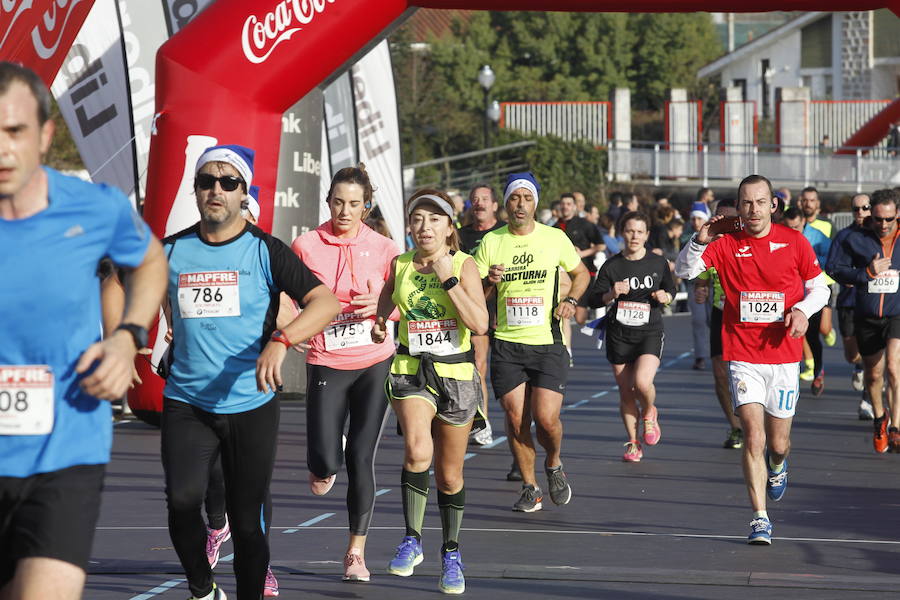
(572, 121)
(792, 164)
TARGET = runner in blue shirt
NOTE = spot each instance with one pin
(225, 280)
(55, 373)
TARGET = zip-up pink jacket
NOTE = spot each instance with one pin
(349, 267)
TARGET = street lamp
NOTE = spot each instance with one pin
(486, 80)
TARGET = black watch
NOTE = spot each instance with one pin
(571, 300)
(138, 333)
(449, 283)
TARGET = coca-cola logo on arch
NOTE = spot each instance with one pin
(52, 26)
(261, 35)
(10, 11)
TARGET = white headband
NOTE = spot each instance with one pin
(520, 183)
(226, 156)
(442, 204)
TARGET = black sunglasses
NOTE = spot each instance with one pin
(861, 208)
(228, 183)
(883, 219)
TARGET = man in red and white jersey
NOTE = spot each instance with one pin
(773, 283)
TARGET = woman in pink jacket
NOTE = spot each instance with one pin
(345, 370)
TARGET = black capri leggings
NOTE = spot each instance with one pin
(331, 396)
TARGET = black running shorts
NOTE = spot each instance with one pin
(49, 515)
(544, 366)
(845, 321)
(624, 345)
(715, 332)
(872, 333)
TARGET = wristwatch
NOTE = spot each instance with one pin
(449, 283)
(571, 300)
(278, 336)
(138, 334)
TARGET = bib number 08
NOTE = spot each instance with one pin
(17, 402)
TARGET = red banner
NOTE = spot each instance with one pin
(38, 33)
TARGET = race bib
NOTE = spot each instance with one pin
(524, 312)
(26, 400)
(209, 294)
(885, 282)
(348, 331)
(632, 314)
(762, 307)
(439, 337)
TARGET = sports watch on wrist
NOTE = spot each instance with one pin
(138, 334)
(278, 336)
(449, 283)
(571, 300)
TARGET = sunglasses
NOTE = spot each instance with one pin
(862, 208)
(883, 219)
(228, 183)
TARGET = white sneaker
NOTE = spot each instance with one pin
(485, 436)
(865, 410)
(856, 380)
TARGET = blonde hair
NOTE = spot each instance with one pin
(453, 238)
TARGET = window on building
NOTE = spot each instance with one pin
(815, 44)
(887, 34)
(741, 83)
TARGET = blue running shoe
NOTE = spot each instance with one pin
(760, 531)
(776, 484)
(452, 579)
(409, 554)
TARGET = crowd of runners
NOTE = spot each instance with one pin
(419, 332)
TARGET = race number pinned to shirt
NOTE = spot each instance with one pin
(524, 312)
(439, 337)
(209, 294)
(762, 307)
(633, 314)
(885, 283)
(26, 400)
(348, 331)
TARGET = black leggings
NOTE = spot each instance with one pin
(192, 439)
(814, 339)
(332, 395)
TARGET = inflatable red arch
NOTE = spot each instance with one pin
(231, 73)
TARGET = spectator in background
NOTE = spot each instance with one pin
(894, 139)
(555, 214)
(615, 206)
(459, 207)
(579, 203)
(705, 198)
(592, 213)
(784, 194)
(700, 313)
(662, 200)
(659, 232)
(608, 233)
(545, 216)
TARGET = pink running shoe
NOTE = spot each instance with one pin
(214, 540)
(270, 589)
(320, 487)
(355, 567)
(651, 427)
(633, 451)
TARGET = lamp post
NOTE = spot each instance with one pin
(486, 80)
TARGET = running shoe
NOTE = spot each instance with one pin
(217, 594)
(760, 531)
(735, 439)
(808, 373)
(894, 439)
(880, 438)
(699, 364)
(514, 473)
(558, 485)
(652, 432)
(483, 437)
(776, 483)
(355, 567)
(270, 589)
(320, 487)
(865, 410)
(633, 452)
(830, 338)
(452, 579)
(409, 555)
(530, 500)
(857, 379)
(818, 385)
(214, 540)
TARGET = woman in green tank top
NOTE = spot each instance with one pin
(434, 387)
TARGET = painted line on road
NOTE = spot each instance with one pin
(382, 492)
(164, 587)
(310, 522)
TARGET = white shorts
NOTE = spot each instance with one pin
(776, 387)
